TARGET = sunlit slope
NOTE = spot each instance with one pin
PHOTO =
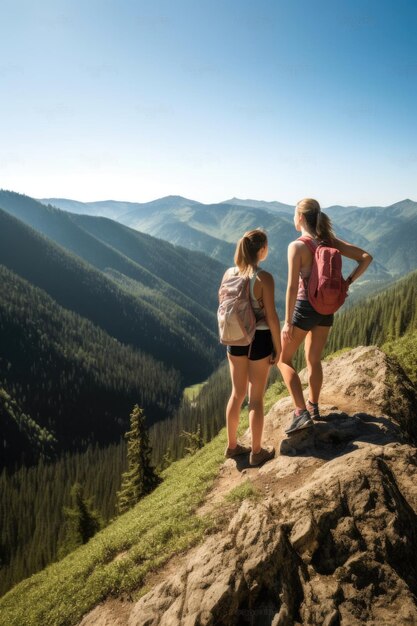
(154, 323)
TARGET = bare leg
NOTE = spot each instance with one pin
(289, 374)
(239, 374)
(258, 376)
(314, 344)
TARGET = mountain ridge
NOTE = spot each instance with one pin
(187, 223)
(210, 227)
(234, 200)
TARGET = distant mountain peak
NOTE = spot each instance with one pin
(404, 202)
(274, 205)
(175, 197)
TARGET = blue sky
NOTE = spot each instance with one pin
(209, 99)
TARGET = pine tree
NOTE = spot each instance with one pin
(141, 477)
(194, 441)
(82, 521)
(166, 460)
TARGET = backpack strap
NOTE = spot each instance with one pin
(309, 243)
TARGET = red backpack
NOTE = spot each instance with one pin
(327, 289)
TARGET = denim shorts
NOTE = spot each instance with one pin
(262, 346)
(305, 317)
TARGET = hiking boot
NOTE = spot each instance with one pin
(230, 453)
(313, 409)
(299, 422)
(261, 457)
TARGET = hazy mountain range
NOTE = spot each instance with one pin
(387, 232)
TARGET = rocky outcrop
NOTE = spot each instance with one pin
(333, 537)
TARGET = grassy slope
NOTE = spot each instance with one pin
(405, 350)
(160, 525)
(191, 393)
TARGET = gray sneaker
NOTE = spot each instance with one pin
(299, 422)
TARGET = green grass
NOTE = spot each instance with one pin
(405, 350)
(191, 393)
(275, 392)
(336, 354)
(243, 491)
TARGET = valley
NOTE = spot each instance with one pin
(114, 303)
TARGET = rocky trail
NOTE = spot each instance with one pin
(330, 539)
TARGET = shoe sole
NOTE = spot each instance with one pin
(294, 430)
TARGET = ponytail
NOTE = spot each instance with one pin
(247, 250)
(318, 221)
(324, 228)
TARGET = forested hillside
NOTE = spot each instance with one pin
(148, 320)
(32, 501)
(187, 278)
(383, 317)
(69, 377)
(116, 318)
(397, 249)
(177, 283)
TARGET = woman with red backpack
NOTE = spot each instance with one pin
(315, 290)
(249, 326)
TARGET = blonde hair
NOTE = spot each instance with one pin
(318, 221)
(247, 250)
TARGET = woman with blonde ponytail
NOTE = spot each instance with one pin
(302, 321)
(249, 365)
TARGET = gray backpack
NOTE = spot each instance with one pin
(235, 315)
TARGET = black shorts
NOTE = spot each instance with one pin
(262, 346)
(305, 317)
